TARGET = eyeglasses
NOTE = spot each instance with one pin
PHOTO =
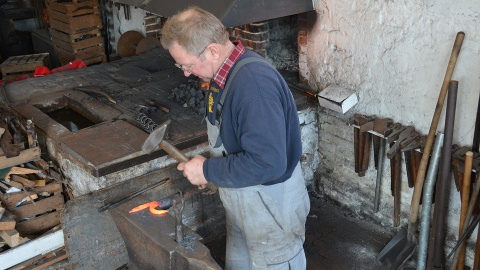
(189, 69)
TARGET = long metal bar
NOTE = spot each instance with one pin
(441, 201)
(427, 202)
(124, 199)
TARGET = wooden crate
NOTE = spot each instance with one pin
(89, 56)
(72, 17)
(76, 43)
(21, 65)
(34, 218)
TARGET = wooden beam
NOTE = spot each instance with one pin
(39, 246)
(12, 237)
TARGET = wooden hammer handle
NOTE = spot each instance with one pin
(417, 192)
(180, 157)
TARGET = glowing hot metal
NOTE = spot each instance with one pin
(152, 205)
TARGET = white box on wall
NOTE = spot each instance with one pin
(337, 98)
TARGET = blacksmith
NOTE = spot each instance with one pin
(255, 141)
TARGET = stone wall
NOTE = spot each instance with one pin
(394, 54)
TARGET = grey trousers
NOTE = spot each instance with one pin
(266, 225)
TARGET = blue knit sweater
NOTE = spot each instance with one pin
(260, 130)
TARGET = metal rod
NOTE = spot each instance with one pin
(124, 199)
(381, 156)
(471, 205)
(427, 202)
(178, 210)
(441, 201)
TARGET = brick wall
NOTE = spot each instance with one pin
(253, 36)
(305, 23)
(275, 39)
(153, 25)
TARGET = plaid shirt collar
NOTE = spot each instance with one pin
(222, 73)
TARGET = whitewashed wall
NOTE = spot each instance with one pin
(394, 54)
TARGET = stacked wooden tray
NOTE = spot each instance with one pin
(20, 65)
(75, 30)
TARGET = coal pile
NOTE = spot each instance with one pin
(190, 95)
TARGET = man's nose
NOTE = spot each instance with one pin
(187, 74)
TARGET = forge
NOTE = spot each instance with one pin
(93, 121)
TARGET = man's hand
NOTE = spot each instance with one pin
(193, 170)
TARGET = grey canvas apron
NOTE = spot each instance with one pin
(259, 218)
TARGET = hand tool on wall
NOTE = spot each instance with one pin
(361, 143)
(395, 138)
(412, 158)
(412, 141)
(407, 247)
(405, 137)
(458, 160)
(380, 126)
(394, 129)
(128, 197)
(155, 139)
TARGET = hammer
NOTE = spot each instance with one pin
(155, 139)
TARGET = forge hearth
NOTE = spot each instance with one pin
(105, 149)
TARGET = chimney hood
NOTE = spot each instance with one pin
(230, 12)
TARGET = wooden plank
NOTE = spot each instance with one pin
(9, 200)
(69, 18)
(50, 261)
(70, 6)
(39, 224)
(74, 37)
(75, 47)
(65, 56)
(97, 59)
(41, 245)
(7, 223)
(26, 155)
(39, 183)
(12, 237)
(24, 181)
(41, 206)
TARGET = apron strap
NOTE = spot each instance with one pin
(237, 67)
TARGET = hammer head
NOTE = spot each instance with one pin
(155, 138)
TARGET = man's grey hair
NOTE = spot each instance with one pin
(194, 29)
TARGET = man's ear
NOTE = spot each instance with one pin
(214, 50)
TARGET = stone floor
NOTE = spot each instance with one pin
(335, 239)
